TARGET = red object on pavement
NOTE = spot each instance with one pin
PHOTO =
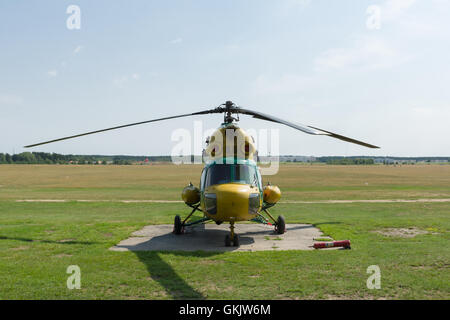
(334, 244)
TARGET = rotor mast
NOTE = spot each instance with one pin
(230, 107)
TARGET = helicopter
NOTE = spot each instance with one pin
(231, 188)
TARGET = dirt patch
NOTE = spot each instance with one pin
(211, 262)
(433, 266)
(401, 232)
(20, 248)
(63, 255)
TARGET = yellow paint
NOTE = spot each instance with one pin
(271, 194)
(237, 144)
(232, 202)
(190, 195)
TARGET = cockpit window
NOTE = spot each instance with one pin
(232, 173)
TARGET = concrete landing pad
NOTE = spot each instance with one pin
(210, 237)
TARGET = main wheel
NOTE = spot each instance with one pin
(177, 225)
(227, 241)
(236, 240)
(281, 225)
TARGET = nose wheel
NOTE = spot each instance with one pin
(231, 242)
(232, 238)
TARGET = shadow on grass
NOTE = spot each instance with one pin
(162, 272)
(48, 241)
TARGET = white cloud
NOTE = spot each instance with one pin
(177, 40)
(78, 49)
(399, 18)
(408, 17)
(395, 9)
(121, 81)
(52, 73)
(7, 99)
(367, 53)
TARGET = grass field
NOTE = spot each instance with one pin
(38, 241)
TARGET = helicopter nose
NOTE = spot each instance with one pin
(232, 201)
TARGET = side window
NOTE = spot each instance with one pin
(259, 178)
(202, 179)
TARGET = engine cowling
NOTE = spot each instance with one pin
(190, 194)
(271, 194)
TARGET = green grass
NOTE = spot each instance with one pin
(38, 241)
(165, 182)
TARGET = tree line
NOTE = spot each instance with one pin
(55, 158)
(351, 161)
(44, 158)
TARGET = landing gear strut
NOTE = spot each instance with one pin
(280, 223)
(178, 225)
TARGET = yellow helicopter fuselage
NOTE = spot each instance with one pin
(232, 202)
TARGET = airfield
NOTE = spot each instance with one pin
(54, 216)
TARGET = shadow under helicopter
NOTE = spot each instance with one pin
(162, 272)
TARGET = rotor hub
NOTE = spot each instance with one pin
(230, 108)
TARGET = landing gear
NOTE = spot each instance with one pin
(229, 242)
(232, 237)
(178, 225)
(236, 240)
(280, 227)
(280, 223)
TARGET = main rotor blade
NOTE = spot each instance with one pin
(304, 128)
(120, 127)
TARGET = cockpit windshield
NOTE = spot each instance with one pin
(232, 173)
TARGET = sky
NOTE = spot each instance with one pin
(377, 71)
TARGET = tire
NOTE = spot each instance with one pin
(281, 225)
(236, 241)
(177, 226)
(227, 241)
